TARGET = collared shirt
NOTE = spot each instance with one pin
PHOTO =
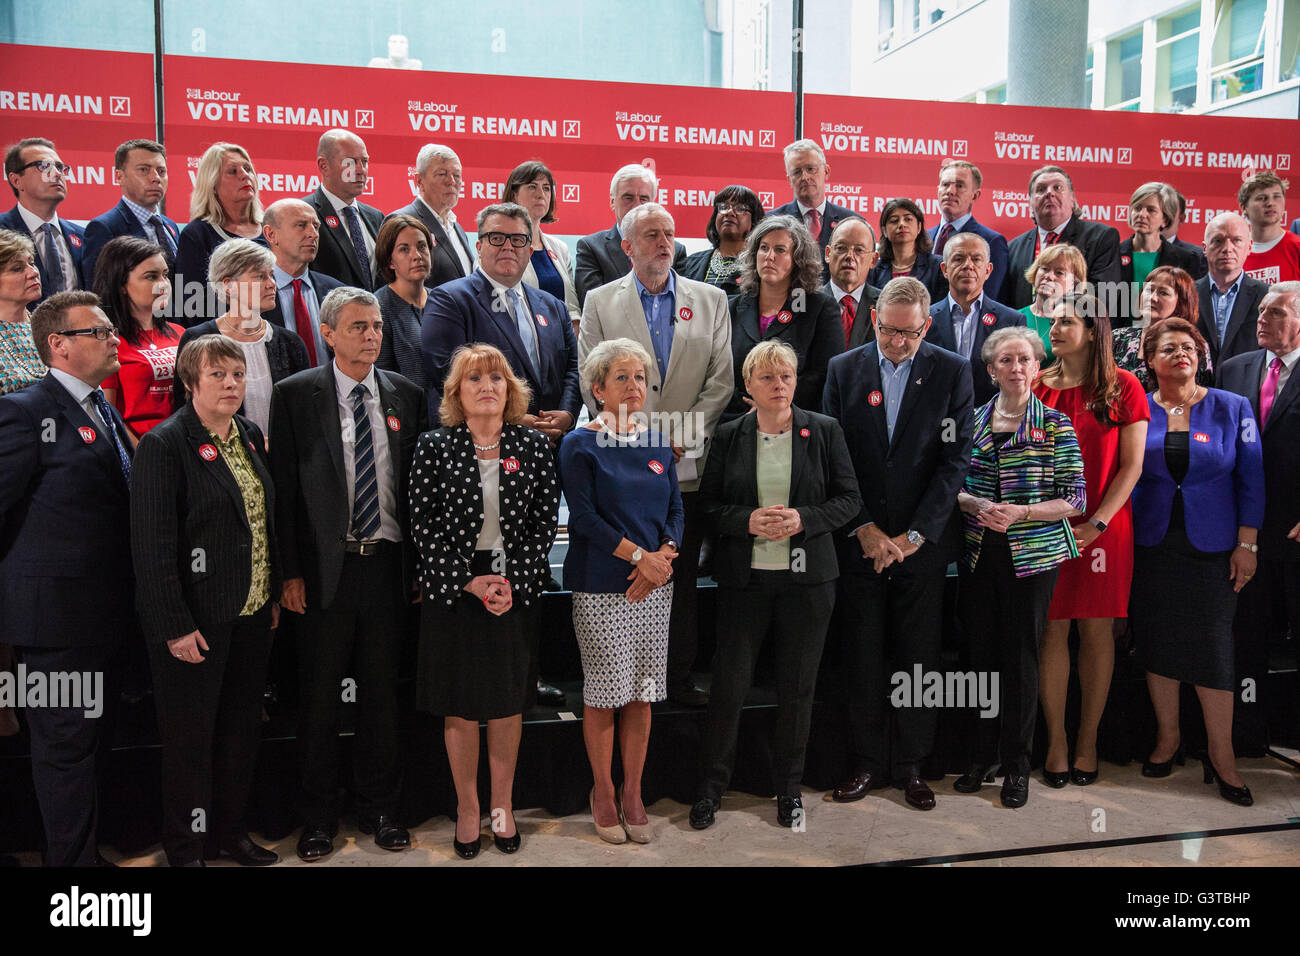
(838, 295)
(893, 382)
(1289, 361)
(284, 292)
(956, 224)
(143, 214)
(660, 311)
(235, 455)
(511, 294)
(449, 227)
(389, 529)
(804, 210)
(81, 393)
(963, 325)
(36, 225)
(1042, 235)
(1221, 304)
(339, 205)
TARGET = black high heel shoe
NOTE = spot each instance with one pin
(1241, 796)
(1056, 779)
(507, 844)
(467, 851)
(1082, 778)
(1165, 767)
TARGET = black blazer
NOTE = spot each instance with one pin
(823, 489)
(833, 215)
(65, 536)
(1243, 374)
(1168, 255)
(816, 334)
(1098, 242)
(444, 264)
(73, 234)
(1239, 334)
(912, 482)
(862, 331)
(312, 502)
(993, 316)
(1196, 255)
(926, 271)
(696, 267)
(335, 256)
(198, 240)
(601, 260)
(285, 352)
(189, 530)
(118, 221)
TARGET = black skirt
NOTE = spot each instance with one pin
(473, 664)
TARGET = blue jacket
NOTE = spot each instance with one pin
(74, 234)
(997, 251)
(118, 221)
(993, 316)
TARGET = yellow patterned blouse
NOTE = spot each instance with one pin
(250, 487)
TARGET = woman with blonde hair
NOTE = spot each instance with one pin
(1059, 269)
(224, 205)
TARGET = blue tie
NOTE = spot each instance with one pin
(164, 237)
(358, 243)
(110, 426)
(54, 264)
(365, 497)
(1221, 314)
(525, 324)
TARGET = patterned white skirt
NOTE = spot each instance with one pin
(624, 647)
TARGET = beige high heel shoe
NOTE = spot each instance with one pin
(637, 832)
(608, 834)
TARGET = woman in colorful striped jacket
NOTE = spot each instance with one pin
(1025, 482)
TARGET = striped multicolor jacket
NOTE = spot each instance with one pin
(1039, 462)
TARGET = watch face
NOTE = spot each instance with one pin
(914, 537)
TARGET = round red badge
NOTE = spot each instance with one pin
(541, 320)
(1037, 434)
(207, 452)
(394, 423)
(875, 398)
(1201, 437)
(510, 464)
(87, 434)
(332, 221)
(551, 253)
(784, 317)
(1126, 260)
(685, 314)
(657, 468)
(989, 318)
(75, 240)
(804, 432)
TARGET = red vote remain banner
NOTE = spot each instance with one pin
(86, 102)
(698, 140)
(879, 148)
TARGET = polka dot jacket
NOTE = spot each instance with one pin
(447, 510)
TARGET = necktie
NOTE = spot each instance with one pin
(849, 310)
(1220, 314)
(944, 232)
(1052, 239)
(106, 413)
(365, 496)
(53, 262)
(959, 329)
(524, 322)
(302, 322)
(358, 243)
(1269, 390)
(164, 237)
(815, 225)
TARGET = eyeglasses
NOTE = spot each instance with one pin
(102, 333)
(1171, 350)
(516, 239)
(885, 332)
(45, 165)
(725, 207)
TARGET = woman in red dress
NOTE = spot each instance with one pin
(1108, 409)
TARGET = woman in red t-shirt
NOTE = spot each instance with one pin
(131, 282)
(1108, 408)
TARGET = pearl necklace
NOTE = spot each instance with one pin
(997, 408)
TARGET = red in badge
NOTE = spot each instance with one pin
(784, 317)
(510, 464)
(394, 423)
(685, 314)
(875, 398)
(1126, 260)
(332, 221)
(657, 468)
(989, 318)
(541, 320)
(1037, 434)
(87, 434)
(207, 453)
(551, 253)
(75, 240)
(1201, 437)
(804, 432)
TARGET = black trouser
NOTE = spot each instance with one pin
(683, 631)
(70, 750)
(1004, 617)
(210, 721)
(890, 622)
(1266, 607)
(359, 637)
(797, 614)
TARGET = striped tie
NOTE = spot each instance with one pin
(110, 426)
(365, 499)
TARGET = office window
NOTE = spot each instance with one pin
(1288, 67)
(1124, 71)
(1237, 49)
(1177, 41)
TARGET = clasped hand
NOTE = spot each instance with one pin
(775, 523)
(493, 590)
(652, 571)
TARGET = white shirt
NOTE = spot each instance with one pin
(339, 205)
(449, 227)
(35, 225)
(1288, 366)
(963, 331)
(804, 210)
(81, 393)
(257, 380)
(1042, 234)
(509, 293)
(489, 476)
(389, 529)
(838, 295)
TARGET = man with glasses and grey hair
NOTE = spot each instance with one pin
(807, 170)
(438, 181)
(39, 179)
(342, 440)
(905, 406)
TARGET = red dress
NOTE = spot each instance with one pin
(1096, 584)
(144, 382)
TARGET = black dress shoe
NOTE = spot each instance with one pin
(1157, 770)
(974, 778)
(686, 694)
(1056, 779)
(467, 851)
(704, 812)
(856, 787)
(389, 834)
(1015, 790)
(506, 844)
(786, 808)
(1241, 796)
(918, 793)
(549, 694)
(1082, 778)
(245, 852)
(315, 843)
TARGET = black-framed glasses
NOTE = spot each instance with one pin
(726, 207)
(102, 333)
(45, 165)
(886, 332)
(516, 239)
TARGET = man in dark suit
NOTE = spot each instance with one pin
(959, 188)
(293, 233)
(347, 248)
(1295, 225)
(807, 171)
(438, 182)
(140, 166)
(905, 406)
(66, 590)
(36, 175)
(1229, 299)
(968, 316)
(1056, 217)
(1269, 603)
(1196, 254)
(601, 258)
(850, 256)
(340, 460)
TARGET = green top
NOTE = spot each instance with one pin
(1143, 263)
(250, 488)
(775, 456)
(1041, 326)
(20, 363)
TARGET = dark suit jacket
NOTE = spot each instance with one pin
(696, 267)
(320, 283)
(926, 271)
(910, 483)
(74, 234)
(118, 221)
(285, 352)
(311, 486)
(189, 529)
(335, 257)
(1196, 253)
(65, 541)
(1281, 434)
(445, 264)
(941, 334)
(198, 240)
(465, 311)
(1295, 225)
(1169, 255)
(816, 335)
(601, 260)
(823, 489)
(834, 213)
(1239, 334)
(1098, 242)
(863, 331)
(997, 252)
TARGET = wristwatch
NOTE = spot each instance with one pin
(637, 555)
(1252, 548)
(1097, 523)
(670, 542)
(916, 538)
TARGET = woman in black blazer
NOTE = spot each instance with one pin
(777, 486)
(906, 250)
(1152, 208)
(207, 573)
(736, 211)
(781, 300)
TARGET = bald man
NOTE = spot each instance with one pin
(1229, 299)
(292, 230)
(348, 226)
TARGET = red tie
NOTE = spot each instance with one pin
(944, 232)
(1268, 393)
(847, 315)
(1052, 239)
(815, 224)
(302, 319)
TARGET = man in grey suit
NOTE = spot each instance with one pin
(850, 257)
(601, 258)
(438, 180)
(685, 325)
(348, 226)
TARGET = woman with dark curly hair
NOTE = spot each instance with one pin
(736, 211)
(781, 300)
(906, 250)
